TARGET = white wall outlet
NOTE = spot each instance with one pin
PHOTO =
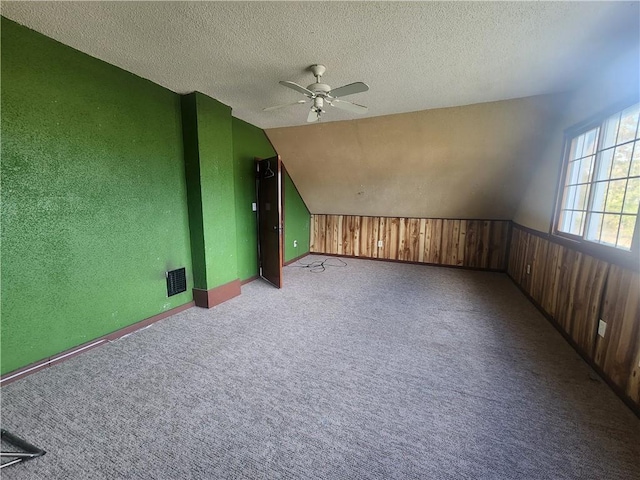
(295, 244)
(528, 269)
(602, 328)
(379, 243)
(254, 207)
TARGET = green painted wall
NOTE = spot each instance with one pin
(94, 206)
(217, 186)
(194, 189)
(249, 142)
(296, 221)
(209, 165)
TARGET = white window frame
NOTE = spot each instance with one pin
(596, 248)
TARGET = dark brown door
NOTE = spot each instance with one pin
(270, 219)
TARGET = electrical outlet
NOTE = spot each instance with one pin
(295, 244)
(379, 243)
(528, 269)
(602, 328)
(254, 207)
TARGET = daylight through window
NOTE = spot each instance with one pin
(601, 191)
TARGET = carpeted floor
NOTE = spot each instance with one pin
(372, 371)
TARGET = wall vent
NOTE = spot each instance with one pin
(176, 281)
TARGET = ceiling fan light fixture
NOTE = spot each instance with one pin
(321, 92)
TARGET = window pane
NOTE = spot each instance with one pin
(628, 124)
(615, 197)
(599, 196)
(621, 161)
(610, 226)
(565, 218)
(576, 223)
(579, 145)
(586, 167)
(590, 142)
(627, 226)
(581, 197)
(595, 227)
(604, 164)
(635, 162)
(569, 197)
(572, 150)
(632, 199)
(610, 131)
(573, 172)
(601, 191)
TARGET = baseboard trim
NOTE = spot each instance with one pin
(635, 408)
(216, 296)
(72, 352)
(299, 257)
(409, 262)
(249, 280)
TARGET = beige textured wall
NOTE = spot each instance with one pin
(463, 162)
(618, 82)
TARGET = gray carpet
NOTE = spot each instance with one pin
(375, 370)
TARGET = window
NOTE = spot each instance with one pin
(600, 194)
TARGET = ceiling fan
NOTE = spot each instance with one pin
(321, 94)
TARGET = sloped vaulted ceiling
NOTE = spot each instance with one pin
(463, 162)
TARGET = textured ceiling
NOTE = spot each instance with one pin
(414, 55)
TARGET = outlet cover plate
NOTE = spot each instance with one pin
(602, 328)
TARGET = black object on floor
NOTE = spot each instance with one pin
(28, 451)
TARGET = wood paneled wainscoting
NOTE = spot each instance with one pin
(575, 290)
(454, 242)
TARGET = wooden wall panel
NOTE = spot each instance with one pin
(477, 243)
(432, 240)
(564, 302)
(553, 278)
(536, 258)
(334, 227)
(350, 236)
(389, 234)
(576, 290)
(517, 255)
(453, 242)
(633, 387)
(369, 236)
(469, 243)
(618, 352)
(499, 237)
(583, 309)
(409, 243)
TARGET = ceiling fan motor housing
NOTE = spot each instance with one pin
(319, 88)
(319, 93)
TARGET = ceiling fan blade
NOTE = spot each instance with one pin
(313, 116)
(298, 88)
(348, 106)
(350, 89)
(269, 109)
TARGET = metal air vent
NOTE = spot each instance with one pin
(176, 281)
